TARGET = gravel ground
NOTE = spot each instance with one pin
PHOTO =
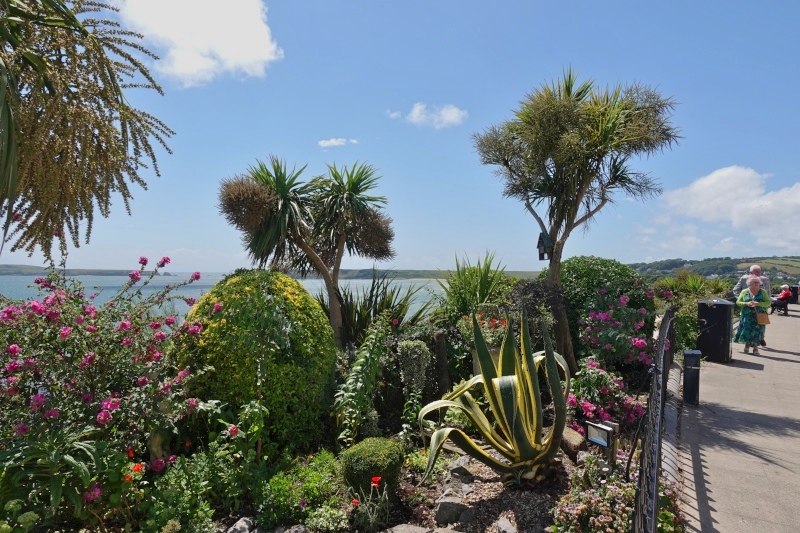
(527, 508)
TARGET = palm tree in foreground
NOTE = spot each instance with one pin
(308, 227)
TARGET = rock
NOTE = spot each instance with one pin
(505, 526)
(297, 529)
(468, 516)
(449, 510)
(581, 458)
(466, 488)
(572, 442)
(244, 525)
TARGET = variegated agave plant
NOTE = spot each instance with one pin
(513, 394)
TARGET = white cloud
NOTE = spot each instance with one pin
(735, 200)
(199, 40)
(438, 117)
(340, 141)
(393, 114)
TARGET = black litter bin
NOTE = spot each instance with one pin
(793, 297)
(714, 323)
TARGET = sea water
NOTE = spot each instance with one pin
(105, 287)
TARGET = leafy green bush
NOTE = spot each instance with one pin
(353, 400)
(602, 502)
(361, 308)
(469, 288)
(327, 519)
(288, 497)
(266, 340)
(373, 457)
(181, 495)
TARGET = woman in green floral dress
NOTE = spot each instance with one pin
(752, 301)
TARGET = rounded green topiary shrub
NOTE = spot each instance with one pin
(264, 338)
(375, 456)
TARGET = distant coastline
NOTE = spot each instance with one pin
(344, 274)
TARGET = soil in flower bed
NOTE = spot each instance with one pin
(528, 508)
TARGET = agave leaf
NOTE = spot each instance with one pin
(508, 357)
(508, 390)
(463, 441)
(463, 387)
(476, 416)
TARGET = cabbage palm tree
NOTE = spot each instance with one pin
(308, 227)
(568, 151)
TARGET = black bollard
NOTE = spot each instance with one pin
(691, 376)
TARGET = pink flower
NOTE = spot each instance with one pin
(650, 294)
(142, 381)
(110, 404)
(233, 431)
(13, 350)
(160, 336)
(37, 401)
(591, 363)
(12, 367)
(572, 400)
(603, 292)
(217, 308)
(667, 294)
(65, 331)
(192, 402)
(608, 346)
(157, 355)
(87, 397)
(135, 276)
(22, 429)
(143, 261)
(126, 341)
(604, 415)
(195, 329)
(88, 360)
(623, 300)
(190, 301)
(51, 413)
(170, 321)
(36, 307)
(103, 418)
(79, 319)
(395, 321)
(157, 465)
(163, 262)
(125, 325)
(92, 493)
(195, 276)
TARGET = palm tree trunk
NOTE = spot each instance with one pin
(335, 308)
(561, 322)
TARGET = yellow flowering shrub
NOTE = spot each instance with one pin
(264, 336)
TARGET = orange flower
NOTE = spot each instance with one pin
(137, 467)
(128, 477)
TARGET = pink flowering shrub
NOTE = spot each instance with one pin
(614, 332)
(598, 395)
(84, 389)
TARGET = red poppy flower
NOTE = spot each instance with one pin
(355, 502)
(376, 482)
(130, 452)
(137, 467)
(128, 477)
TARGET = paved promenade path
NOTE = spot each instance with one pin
(739, 449)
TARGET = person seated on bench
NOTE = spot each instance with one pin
(781, 301)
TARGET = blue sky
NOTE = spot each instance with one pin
(404, 85)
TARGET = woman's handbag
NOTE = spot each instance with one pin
(762, 319)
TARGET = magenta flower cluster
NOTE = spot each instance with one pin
(67, 364)
(611, 331)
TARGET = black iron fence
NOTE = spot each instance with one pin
(645, 514)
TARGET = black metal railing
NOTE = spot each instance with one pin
(645, 512)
